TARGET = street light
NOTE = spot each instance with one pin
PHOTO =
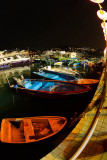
(103, 16)
(97, 1)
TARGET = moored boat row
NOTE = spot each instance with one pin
(65, 75)
(62, 86)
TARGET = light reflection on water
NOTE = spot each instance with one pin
(13, 72)
(8, 99)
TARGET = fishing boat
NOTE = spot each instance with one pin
(54, 75)
(89, 82)
(50, 89)
(30, 129)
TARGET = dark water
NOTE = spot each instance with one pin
(13, 104)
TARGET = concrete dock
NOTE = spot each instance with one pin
(88, 140)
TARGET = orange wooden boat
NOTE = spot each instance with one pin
(30, 129)
(89, 82)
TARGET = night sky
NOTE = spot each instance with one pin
(45, 24)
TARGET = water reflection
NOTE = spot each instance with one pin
(10, 102)
(4, 74)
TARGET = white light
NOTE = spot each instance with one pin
(105, 51)
(102, 14)
(104, 25)
(97, 1)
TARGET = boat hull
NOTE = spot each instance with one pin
(53, 75)
(30, 129)
(93, 83)
(4, 66)
(70, 100)
(65, 90)
(20, 63)
(50, 95)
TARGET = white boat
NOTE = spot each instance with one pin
(10, 61)
(17, 59)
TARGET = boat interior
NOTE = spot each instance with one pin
(29, 129)
(51, 86)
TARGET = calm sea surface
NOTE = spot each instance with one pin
(13, 104)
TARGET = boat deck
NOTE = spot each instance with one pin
(85, 142)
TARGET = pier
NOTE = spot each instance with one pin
(88, 140)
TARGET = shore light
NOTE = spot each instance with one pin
(102, 14)
(105, 51)
(104, 25)
(97, 1)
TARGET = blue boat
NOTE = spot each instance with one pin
(53, 75)
(51, 89)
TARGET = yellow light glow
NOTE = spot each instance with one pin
(101, 12)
